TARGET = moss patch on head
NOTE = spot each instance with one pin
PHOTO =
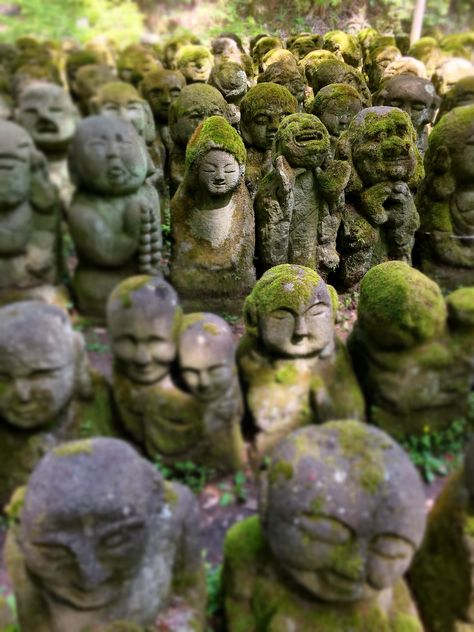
(199, 95)
(215, 133)
(123, 293)
(400, 307)
(117, 92)
(74, 448)
(191, 53)
(280, 469)
(341, 93)
(451, 133)
(267, 96)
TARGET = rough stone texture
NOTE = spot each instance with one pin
(261, 48)
(91, 546)
(213, 228)
(377, 61)
(114, 217)
(299, 203)
(262, 110)
(415, 96)
(143, 319)
(405, 66)
(48, 393)
(195, 63)
(293, 369)
(29, 219)
(345, 46)
(200, 419)
(380, 218)
(287, 75)
(412, 352)
(341, 515)
(441, 576)
(446, 201)
(336, 71)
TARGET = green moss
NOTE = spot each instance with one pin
(451, 133)
(215, 133)
(170, 495)
(190, 53)
(73, 448)
(461, 306)
(117, 92)
(124, 291)
(267, 97)
(283, 469)
(287, 375)
(211, 328)
(244, 541)
(201, 96)
(318, 505)
(296, 124)
(15, 505)
(344, 560)
(334, 299)
(366, 451)
(341, 93)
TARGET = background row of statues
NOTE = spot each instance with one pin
(328, 181)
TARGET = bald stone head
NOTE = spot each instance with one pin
(42, 364)
(343, 510)
(143, 318)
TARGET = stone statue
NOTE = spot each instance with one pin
(194, 104)
(134, 62)
(87, 83)
(345, 46)
(336, 105)
(341, 515)
(195, 63)
(293, 369)
(380, 219)
(208, 432)
(112, 542)
(413, 352)
(48, 393)
(261, 48)
(30, 253)
(377, 61)
(213, 227)
(449, 71)
(304, 44)
(405, 66)
(262, 110)
(173, 44)
(335, 71)
(417, 97)
(143, 319)
(231, 81)
(287, 75)
(299, 203)
(47, 112)
(462, 93)
(441, 576)
(446, 201)
(114, 217)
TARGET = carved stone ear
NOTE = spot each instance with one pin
(150, 129)
(83, 380)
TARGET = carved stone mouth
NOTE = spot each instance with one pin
(307, 137)
(46, 127)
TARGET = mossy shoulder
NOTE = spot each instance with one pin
(244, 542)
(74, 448)
(215, 133)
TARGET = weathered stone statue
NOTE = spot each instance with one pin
(143, 319)
(261, 48)
(380, 219)
(417, 97)
(446, 201)
(47, 112)
(335, 71)
(48, 393)
(377, 61)
(195, 63)
(134, 62)
(336, 105)
(441, 575)
(449, 71)
(172, 45)
(29, 220)
(87, 83)
(194, 104)
(293, 369)
(262, 110)
(111, 543)
(345, 46)
(299, 203)
(208, 372)
(287, 75)
(232, 82)
(341, 515)
(114, 217)
(213, 227)
(462, 93)
(413, 352)
(405, 66)
(304, 44)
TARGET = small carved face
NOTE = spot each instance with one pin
(109, 156)
(49, 116)
(135, 65)
(190, 118)
(338, 113)
(299, 332)
(412, 95)
(226, 49)
(128, 107)
(162, 91)
(15, 170)
(263, 126)
(144, 347)
(37, 374)
(197, 69)
(219, 172)
(303, 140)
(90, 78)
(384, 150)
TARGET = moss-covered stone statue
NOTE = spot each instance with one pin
(194, 104)
(341, 515)
(462, 93)
(299, 203)
(417, 97)
(134, 62)
(446, 201)
(195, 63)
(261, 47)
(172, 45)
(377, 61)
(48, 393)
(305, 44)
(206, 429)
(336, 71)
(30, 254)
(413, 352)
(441, 575)
(87, 83)
(262, 110)
(287, 75)
(293, 369)
(114, 217)
(380, 219)
(345, 46)
(336, 105)
(213, 227)
(102, 542)
(47, 112)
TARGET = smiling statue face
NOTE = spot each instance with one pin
(37, 364)
(16, 148)
(219, 172)
(354, 524)
(303, 140)
(47, 112)
(95, 532)
(109, 156)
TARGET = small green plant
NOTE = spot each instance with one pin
(438, 452)
(86, 429)
(230, 318)
(194, 476)
(234, 491)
